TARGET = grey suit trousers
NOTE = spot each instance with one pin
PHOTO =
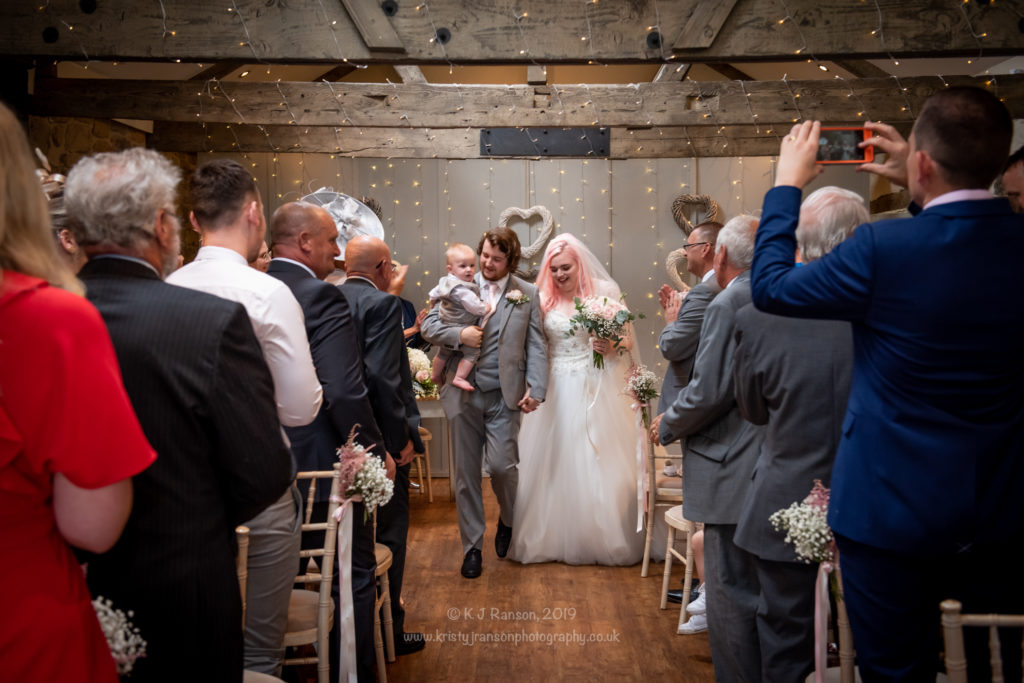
(732, 597)
(785, 619)
(484, 431)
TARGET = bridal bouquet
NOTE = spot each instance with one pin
(123, 638)
(419, 364)
(603, 318)
(806, 526)
(363, 476)
(642, 386)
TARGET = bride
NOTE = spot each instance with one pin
(577, 494)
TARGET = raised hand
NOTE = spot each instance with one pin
(888, 140)
(797, 155)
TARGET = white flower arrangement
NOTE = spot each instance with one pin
(514, 297)
(363, 476)
(603, 318)
(123, 638)
(419, 364)
(642, 386)
(806, 526)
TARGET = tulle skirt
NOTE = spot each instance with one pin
(579, 454)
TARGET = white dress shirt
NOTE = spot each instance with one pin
(277, 320)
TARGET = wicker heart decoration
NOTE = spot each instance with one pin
(547, 231)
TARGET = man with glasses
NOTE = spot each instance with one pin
(378, 320)
(684, 313)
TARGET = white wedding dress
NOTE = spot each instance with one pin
(579, 453)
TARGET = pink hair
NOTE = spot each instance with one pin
(549, 294)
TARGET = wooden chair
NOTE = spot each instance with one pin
(311, 612)
(847, 671)
(422, 458)
(674, 520)
(953, 637)
(242, 570)
(382, 606)
(662, 491)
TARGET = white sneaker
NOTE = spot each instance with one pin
(700, 605)
(697, 624)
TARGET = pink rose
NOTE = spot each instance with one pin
(422, 376)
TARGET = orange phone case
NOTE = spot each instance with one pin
(838, 144)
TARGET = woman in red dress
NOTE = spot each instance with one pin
(69, 441)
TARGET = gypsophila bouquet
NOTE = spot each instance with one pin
(603, 318)
(363, 476)
(123, 638)
(419, 364)
(806, 526)
(642, 386)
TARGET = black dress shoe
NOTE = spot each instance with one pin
(408, 643)
(502, 539)
(676, 596)
(472, 564)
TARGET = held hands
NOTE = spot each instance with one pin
(407, 454)
(655, 424)
(527, 404)
(797, 154)
(471, 336)
(888, 140)
(389, 466)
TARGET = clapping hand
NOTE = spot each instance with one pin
(653, 434)
(666, 295)
(888, 140)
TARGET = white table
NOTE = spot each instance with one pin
(431, 409)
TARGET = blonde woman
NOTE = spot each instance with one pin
(69, 441)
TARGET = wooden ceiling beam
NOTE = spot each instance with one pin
(335, 74)
(671, 72)
(861, 68)
(218, 71)
(729, 71)
(410, 74)
(460, 143)
(493, 31)
(434, 105)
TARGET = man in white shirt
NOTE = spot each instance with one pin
(228, 214)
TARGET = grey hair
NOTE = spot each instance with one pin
(114, 197)
(737, 237)
(827, 217)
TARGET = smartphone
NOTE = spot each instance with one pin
(838, 145)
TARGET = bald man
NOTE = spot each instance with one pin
(378, 318)
(304, 241)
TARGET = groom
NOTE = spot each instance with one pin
(510, 378)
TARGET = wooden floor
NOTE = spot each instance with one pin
(572, 623)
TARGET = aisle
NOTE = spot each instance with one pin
(553, 609)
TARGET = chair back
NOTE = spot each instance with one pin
(321, 577)
(953, 622)
(242, 563)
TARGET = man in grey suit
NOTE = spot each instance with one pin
(718, 458)
(510, 378)
(685, 316)
(792, 375)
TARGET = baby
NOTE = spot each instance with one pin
(461, 306)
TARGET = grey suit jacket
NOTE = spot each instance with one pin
(721, 447)
(522, 350)
(793, 376)
(678, 341)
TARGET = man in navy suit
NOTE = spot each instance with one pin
(378, 321)
(927, 498)
(304, 238)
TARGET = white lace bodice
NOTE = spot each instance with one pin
(565, 354)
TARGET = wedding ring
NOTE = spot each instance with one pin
(792, 138)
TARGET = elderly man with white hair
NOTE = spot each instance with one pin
(718, 458)
(793, 376)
